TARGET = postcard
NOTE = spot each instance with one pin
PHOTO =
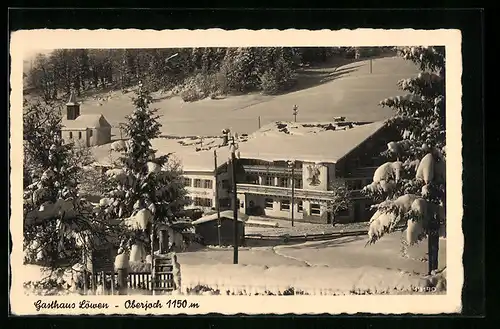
(255, 172)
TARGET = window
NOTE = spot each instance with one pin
(283, 182)
(269, 181)
(79, 135)
(91, 132)
(355, 184)
(207, 184)
(187, 181)
(70, 134)
(298, 183)
(269, 203)
(299, 206)
(198, 183)
(315, 209)
(285, 205)
(203, 202)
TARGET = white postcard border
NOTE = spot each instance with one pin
(29, 41)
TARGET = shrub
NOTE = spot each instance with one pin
(269, 83)
(363, 52)
(200, 86)
(277, 80)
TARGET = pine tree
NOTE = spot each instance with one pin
(411, 187)
(278, 72)
(146, 189)
(57, 223)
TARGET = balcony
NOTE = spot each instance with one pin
(362, 172)
(271, 170)
(287, 192)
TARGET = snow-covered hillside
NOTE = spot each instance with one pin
(354, 94)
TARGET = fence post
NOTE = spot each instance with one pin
(121, 265)
(103, 282)
(122, 280)
(93, 282)
(113, 283)
(85, 282)
(176, 272)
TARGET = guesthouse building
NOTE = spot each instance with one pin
(323, 155)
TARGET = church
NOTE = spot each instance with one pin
(84, 129)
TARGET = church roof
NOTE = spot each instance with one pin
(87, 121)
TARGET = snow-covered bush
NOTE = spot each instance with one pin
(200, 86)
(420, 174)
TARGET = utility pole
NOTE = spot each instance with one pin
(371, 66)
(292, 164)
(235, 200)
(217, 203)
(295, 112)
(259, 121)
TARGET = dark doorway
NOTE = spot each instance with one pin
(358, 212)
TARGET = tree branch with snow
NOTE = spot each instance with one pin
(411, 189)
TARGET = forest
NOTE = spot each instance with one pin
(192, 73)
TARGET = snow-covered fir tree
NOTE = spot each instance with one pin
(57, 223)
(410, 187)
(145, 189)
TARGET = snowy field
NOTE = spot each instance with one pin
(349, 90)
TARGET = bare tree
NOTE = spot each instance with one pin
(340, 199)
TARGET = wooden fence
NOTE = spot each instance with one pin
(137, 280)
(304, 237)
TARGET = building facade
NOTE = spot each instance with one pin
(266, 189)
(201, 187)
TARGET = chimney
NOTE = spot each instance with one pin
(72, 107)
(225, 137)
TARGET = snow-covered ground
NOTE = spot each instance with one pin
(328, 267)
(349, 252)
(353, 93)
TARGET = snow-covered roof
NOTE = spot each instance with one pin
(202, 160)
(86, 121)
(314, 142)
(306, 143)
(223, 214)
